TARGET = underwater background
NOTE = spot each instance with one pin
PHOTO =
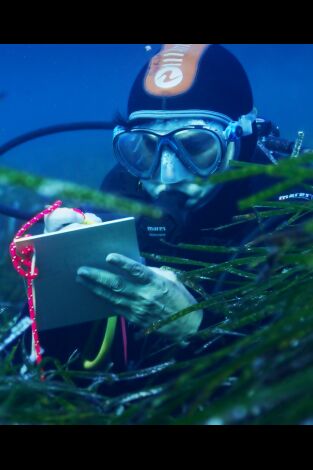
(48, 84)
(254, 365)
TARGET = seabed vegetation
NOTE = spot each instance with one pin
(253, 365)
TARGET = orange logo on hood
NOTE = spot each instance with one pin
(173, 70)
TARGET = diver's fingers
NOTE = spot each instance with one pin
(67, 228)
(141, 311)
(91, 218)
(137, 271)
(60, 217)
(104, 278)
(119, 302)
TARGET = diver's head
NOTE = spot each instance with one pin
(190, 113)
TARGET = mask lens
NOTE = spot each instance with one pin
(202, 147)
(137, 149)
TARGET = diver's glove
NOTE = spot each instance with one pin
(65, 218)
(143, 295)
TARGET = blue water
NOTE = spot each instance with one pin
(42, 85)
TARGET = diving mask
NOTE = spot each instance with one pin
(201, 148)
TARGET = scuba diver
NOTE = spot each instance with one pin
(190, 112)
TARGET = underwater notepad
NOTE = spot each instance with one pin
(60, 299)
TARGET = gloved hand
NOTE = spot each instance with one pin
(65, 218)
(143, 295)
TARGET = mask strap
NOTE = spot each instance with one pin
(237, 129)
(246, 122)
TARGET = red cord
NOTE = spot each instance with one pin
(124, 335)
(22, 262)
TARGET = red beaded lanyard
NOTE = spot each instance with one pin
(29, 271)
